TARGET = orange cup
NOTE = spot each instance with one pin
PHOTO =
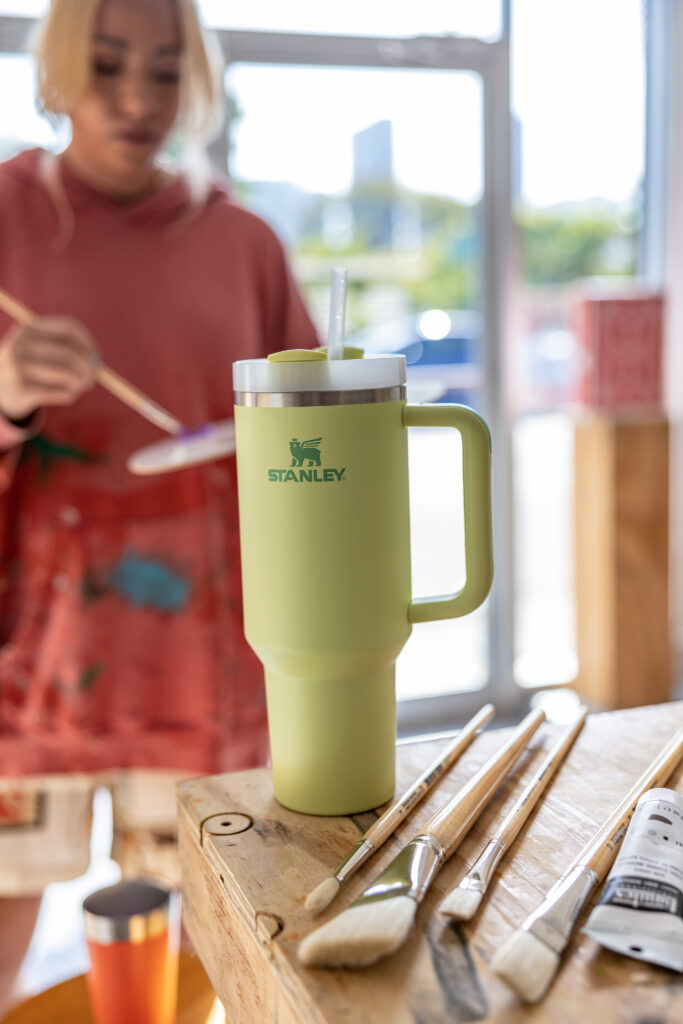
(133, 935)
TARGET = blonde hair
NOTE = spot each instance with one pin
(62, 47)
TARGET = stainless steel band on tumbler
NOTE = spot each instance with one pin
(285, 399)
(137, 928)
(130, 911)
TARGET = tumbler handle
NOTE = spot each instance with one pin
(476, 473)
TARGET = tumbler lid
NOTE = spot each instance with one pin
(301, 370)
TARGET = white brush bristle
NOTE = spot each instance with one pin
(462, 904)
(322, 895)
(527, 964)
(360, 935)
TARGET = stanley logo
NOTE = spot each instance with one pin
(305, 450)
(306, 466)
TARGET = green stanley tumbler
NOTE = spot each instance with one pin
(322, 465)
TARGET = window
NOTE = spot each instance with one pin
(412, 188)
(402, 186)
(578, 202)
(381, 170)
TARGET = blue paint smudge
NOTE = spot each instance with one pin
(146, 583)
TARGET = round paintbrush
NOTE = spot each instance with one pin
(463, 902)
(381, 829)
(379, 921)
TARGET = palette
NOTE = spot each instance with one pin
(187, 448)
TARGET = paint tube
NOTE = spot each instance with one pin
(640, 913)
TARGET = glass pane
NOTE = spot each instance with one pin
(381, 172)
(21, 125)
(580, 156)
(357, 17)
(27, 8)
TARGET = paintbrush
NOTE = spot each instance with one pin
(381, 829)
(529, 959)
(379, 921)
(463, 902)
(111, 381)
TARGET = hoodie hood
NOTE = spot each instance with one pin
(169, 204)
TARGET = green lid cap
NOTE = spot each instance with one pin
(298, 355)
(350, 351)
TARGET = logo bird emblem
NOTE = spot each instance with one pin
(305, 450)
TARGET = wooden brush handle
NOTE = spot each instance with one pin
(137, 400)
(600, 852)
(524, 805)
(453, 821)
(384, 826)
(113, 383)
(13, 308)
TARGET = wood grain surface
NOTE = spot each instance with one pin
(248, 865)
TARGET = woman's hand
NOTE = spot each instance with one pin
(51, 361)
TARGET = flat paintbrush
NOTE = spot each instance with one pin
(463, 902)
(381, 829)
(379, 921)
(529, 959)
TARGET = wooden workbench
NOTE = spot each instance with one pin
(248, 865)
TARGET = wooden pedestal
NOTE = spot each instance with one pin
(622, 561)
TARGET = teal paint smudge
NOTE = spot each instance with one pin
(146, 583)
(89, 676)
(48, 452)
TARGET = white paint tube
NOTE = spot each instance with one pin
(640, 913)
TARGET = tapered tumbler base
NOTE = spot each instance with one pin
(333, 742)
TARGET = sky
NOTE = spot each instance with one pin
(577, 88)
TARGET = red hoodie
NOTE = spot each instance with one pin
(120, 596)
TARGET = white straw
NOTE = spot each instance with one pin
(335, 347)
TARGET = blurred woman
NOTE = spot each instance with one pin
(122, 655)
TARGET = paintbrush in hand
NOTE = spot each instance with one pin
(379, 921)
(381, 829)
(113, 382)
(529, 959)
(463, 902)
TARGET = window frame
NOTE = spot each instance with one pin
(491, 61)
(499, 275)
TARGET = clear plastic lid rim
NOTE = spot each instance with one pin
(258, 376)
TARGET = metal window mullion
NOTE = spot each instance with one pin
(427, 52)
(498, 271)
(15, 33)
(659, 64)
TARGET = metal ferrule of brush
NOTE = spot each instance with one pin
(356, 856)
(410, 872)
(554, 920)
(481, 874)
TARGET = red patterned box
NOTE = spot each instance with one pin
(620, 340)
